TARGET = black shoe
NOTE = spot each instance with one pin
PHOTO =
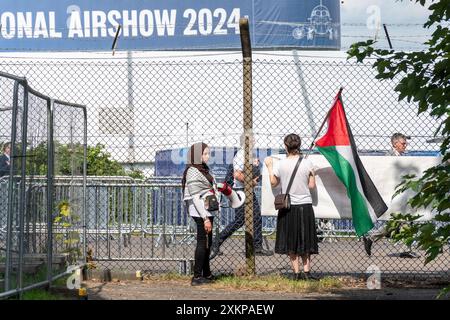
(200, 281)
(210, 278)
(368, 245)
(409, 254)
(309, 276)
(299, 276)
(263, 252)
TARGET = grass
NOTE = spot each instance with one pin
(41, 294)
(277, 283)
(59, 284)
(28, 279)
(258, 283)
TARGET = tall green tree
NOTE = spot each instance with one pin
(69, 160)
(425, 79)
(99, 163)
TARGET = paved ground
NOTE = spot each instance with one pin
(181, 290)
(343, 256)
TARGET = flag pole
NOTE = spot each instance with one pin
(323, 123)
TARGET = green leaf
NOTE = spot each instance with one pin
(445, 217)
(443, 292)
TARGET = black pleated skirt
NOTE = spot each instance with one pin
(296, 231)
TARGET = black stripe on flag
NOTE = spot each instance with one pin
(370, 191)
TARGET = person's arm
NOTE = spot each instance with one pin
(239, 175)
(208, 225)
(312, 180)
(312, 174)
(195, 186)
(239, 169)
(200, 207)
(274, 180)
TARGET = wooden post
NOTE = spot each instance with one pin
(248, 145)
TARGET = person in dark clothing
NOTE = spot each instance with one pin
(198, 182)
(398, 149)
(5, 160)
(239, 213)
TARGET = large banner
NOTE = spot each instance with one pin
(330, 199)
(66, 25)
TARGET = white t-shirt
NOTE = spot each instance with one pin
(299, 192)
(238, 164)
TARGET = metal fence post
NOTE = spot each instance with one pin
(248, 153)
(84, 183)
(50, 189)
(9, 215)
(23, 194)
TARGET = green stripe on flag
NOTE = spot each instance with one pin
(344, 171)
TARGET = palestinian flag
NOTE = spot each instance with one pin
(338, 147)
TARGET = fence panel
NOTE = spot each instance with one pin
(70, 152)
(139, 108)
(26, 211)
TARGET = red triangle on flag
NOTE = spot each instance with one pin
(337, 132)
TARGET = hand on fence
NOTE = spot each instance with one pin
(268, 162)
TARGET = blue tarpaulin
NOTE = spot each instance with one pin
(172, 162)
(67, 25)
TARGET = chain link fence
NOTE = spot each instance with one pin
(137, 108)
(37, 222)
(147, 113)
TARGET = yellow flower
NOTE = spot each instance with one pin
(65, 210)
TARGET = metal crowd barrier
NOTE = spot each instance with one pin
(117, 211)
(144, 224)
